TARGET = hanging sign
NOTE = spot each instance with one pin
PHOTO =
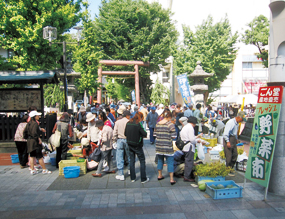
(184, 88)
(263, 137)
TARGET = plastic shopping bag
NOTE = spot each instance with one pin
(201, 154)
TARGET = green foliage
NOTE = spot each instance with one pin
(117, 90)
(87, 57)
(258, 34)
(160, 94)
(213, 45)
(21, 30)
(212, 169)
(53, 95)
(135, 30)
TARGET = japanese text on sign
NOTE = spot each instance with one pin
(269, 95)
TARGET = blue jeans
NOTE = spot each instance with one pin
(177, 132)
(105, 155)
(139, 152)
(169, 161)
(122, 146)
(151, 138)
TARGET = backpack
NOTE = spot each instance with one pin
(180, 144)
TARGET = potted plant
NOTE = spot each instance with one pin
(214, 171)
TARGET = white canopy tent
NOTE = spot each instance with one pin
(249, 99)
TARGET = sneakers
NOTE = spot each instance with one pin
(129, 172)
(46, 171)
(106, 169)
(231, 174)
(133, 180)
(120, 177)
(34, 172)
(146, 180)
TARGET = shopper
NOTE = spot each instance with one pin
(165, 132)
(151, 123)
(135, 133)
(21, 143)
(65, 129)
(34, 143)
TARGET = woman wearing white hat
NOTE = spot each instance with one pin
(34, 142)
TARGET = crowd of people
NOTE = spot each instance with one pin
(119, 133)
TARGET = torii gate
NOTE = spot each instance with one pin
(123, 63)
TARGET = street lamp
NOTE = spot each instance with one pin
(50, 33)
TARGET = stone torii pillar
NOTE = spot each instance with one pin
(122, 63)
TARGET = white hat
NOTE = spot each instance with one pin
(121, 109)
(34, 113)
(84, 142)
(161, 105)
(90, 117)
(79, 135)
(82, 109)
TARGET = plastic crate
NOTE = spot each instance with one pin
(67, 163)
(241, 166)
(214, 155)
(75, 151)
(226, 192)
(71, 171)
(213, 141)
(15, 158)
(216, 179)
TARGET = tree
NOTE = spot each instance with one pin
(53, 95)
(160, 94)
(21, 30)
(135, 30)
(117, 90)
(258, 34)
(213, 45)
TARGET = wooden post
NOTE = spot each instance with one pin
(99, 90)
(137, 86)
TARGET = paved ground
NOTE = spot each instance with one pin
(53, 196)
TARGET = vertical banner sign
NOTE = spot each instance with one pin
(184, 88)
(133, 96)
(263, 137)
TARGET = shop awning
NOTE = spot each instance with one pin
(28, 77)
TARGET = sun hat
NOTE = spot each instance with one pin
(161, 105)
(90, 117)
(99, 123)
(34, 113)
(84, 142)
(192, 120)
(121, 109)
(79, 135)
(242, 115)
(82, 109)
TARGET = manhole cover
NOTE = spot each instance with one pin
(280, 209)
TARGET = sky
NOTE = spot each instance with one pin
(193, 12)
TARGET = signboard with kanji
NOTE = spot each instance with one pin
(184, 88)
(263, 137)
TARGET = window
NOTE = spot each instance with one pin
(247, 65)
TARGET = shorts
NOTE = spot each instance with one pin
(37, 153)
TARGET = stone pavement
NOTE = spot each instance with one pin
(51, 196)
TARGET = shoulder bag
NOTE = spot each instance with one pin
(55, 138)
(180, 144)
(95, 155)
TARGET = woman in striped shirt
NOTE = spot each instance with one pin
(165, 132)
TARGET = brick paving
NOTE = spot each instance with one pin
(25, 196)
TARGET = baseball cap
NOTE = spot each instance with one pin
(153, 108)
(34, 113)
(242, 115)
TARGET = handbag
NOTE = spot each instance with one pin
(91, 164)
(180, 144)
(55, 139)
(95, 155)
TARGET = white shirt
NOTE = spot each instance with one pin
(187, 134)
(159, 111)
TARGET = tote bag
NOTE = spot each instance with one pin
(55, 139)
(95, 155)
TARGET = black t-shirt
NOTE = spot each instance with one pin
(178, 116)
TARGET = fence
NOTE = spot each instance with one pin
(8, 126)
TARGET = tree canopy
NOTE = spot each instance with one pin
(21, 30)
(160, 94)
(135, 30)
(213, 45)
(257, 34)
